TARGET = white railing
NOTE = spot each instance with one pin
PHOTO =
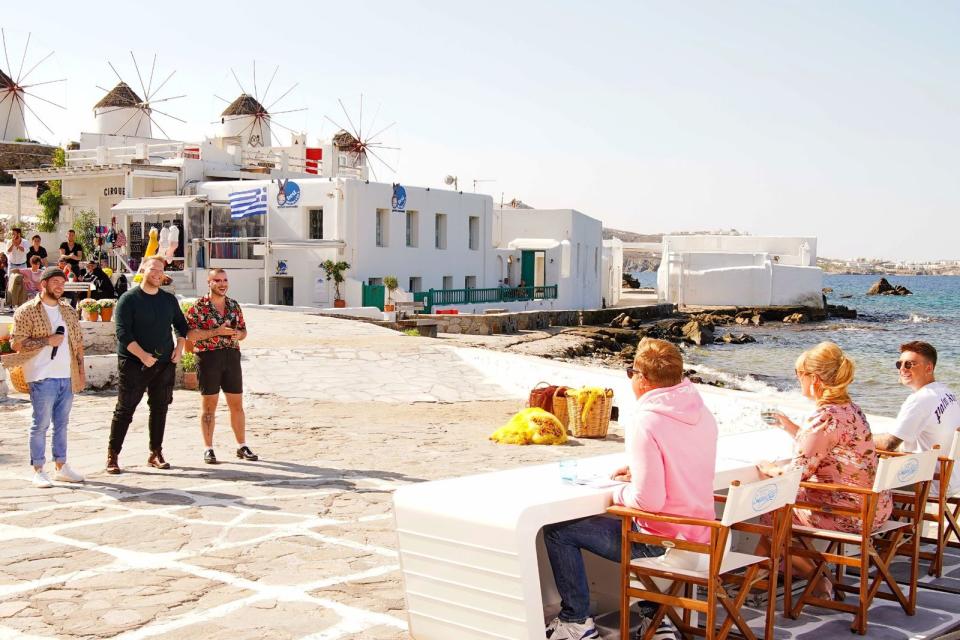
(126, 154)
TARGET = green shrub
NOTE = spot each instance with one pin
(411, 332)
(189, 362)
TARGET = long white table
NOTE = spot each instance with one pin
(471, 549)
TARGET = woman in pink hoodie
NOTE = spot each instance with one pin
(671, 448)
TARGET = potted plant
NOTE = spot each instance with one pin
(334, 271)
(106, 309)
(189, 363)
(90, 309)
(185, 306)
(390, 282)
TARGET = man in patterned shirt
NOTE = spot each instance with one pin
(216, 328)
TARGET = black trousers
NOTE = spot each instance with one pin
(157, 382)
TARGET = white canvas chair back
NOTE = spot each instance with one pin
(744, 501)
(954, 451)
(899, 471)
(754, 499)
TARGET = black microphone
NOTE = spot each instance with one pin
(59, 332)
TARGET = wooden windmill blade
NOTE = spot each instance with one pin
(127, 107)
(22, 85)
(364, 148)
(251, 117)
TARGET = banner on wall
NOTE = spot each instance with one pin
(398, 203)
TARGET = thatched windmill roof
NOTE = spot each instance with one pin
(5, 80)
(245, 105)
(120, 96)
(344, 140)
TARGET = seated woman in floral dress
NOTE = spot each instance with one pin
(833, 445)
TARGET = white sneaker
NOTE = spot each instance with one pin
(66, 474)
(41, 481)
(560, 630)
(666, 630)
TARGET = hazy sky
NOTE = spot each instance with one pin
(834, 119)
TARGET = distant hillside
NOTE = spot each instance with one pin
(630, 236)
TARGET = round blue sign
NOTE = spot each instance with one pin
(289, 193)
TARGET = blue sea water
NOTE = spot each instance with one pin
(931, 314)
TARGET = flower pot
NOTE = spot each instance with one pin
(91, 315)
(187, 345)
(190, 381)
(389, 308)
(339, 304)
(106, 314)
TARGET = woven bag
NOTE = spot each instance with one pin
(591, 421)
(560, 407)
(19, 380)
(541, 396)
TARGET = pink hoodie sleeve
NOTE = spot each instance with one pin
(647, 488)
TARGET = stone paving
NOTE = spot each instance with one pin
(298, 545)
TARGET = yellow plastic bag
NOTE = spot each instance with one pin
(531, 426)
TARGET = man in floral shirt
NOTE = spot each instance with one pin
(216, 327)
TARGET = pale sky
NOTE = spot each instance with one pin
(838, 120)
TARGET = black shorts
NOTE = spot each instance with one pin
(219, 370)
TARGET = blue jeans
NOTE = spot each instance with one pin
(564, 541)
(51, 399)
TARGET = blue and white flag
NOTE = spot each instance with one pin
(250, 202)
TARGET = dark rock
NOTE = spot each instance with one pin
(840, 311)
(630, 281)
(618, 320)
(796, 318)
(827, 290)
(884, 288)
(698, 332)
(743, 338)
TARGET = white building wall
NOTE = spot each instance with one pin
(612, 271)
(739, 271)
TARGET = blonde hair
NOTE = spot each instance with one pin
(659, 362)
(835, 370)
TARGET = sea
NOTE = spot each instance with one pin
(931, 314)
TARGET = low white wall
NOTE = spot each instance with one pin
(740, 286)
(526, 305)
(797, 285)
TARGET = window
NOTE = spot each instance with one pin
(383, 227)
(440, 231)
(470, 282)
(373, 281)
(448, 282)
(316, 224)
(416, 284)
(474, 241)
(222, 225)
(413, 229)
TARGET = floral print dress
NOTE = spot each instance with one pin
(834, 445)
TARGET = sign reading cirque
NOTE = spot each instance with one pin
(288, 193)
(398, 204)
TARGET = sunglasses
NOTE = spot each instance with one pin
(631, 372)
(906, 364)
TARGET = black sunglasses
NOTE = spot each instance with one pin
(906, 364)
(631, 372)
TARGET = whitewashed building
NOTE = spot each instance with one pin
(720, 270)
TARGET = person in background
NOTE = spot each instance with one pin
(16, 250)
(833, 445)
(671, 448)
(71, 251)
(217, 327)
(4, 268)
(147, 360)
(99, 255)
(23, 283)
(47, 337)
(100, 280)
(37, 250)
(930, 415)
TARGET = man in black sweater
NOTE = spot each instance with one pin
(147, 360)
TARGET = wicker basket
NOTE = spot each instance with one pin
(595, 423)
(560, 407)
(18, 379)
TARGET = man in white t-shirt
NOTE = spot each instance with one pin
(49, 345)
(16, 250)
(930, 415)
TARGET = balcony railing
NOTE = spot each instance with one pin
(441, 297)
(148, 153)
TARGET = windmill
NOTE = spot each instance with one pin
(17, 91)
(248, 119)
(356, 147)
(122, 112)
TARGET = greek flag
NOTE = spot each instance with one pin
(250, 202)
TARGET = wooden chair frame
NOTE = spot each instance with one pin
(877, 549)
(715, 582)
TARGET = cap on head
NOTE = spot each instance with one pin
(52, 272)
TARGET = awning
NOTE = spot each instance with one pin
(148, 205)
(534, 244)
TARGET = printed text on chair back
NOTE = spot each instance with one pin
(900, 471)
(754, 499)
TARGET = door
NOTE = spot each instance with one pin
(373, 295)
(527, 267)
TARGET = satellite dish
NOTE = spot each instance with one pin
(449, 180)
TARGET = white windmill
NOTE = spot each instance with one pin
(17, 91)
(122, 112)
(355, 147)
(248, 120)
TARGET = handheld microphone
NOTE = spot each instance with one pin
(60, 331)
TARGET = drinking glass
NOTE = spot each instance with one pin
(568, 470)
(769, 415)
